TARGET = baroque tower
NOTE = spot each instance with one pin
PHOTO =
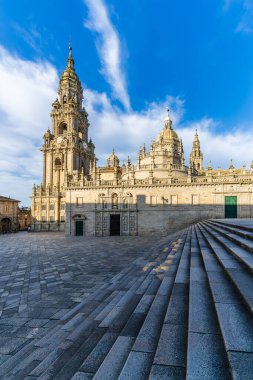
(67, 149)
(67, 152)
(196, 156)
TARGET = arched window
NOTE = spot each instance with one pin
(125, 203)
(57, 163)
(64, 99)
(63, 129)
(198, 166)
(130, 198)
(114, 200)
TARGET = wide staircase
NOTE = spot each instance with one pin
(183, 313)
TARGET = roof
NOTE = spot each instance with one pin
(7, 199)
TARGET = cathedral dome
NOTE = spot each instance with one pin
(168, 133)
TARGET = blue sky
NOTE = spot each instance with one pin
(133, 58)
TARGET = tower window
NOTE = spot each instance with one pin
(64, 99)
(63, 129)
(57, 163)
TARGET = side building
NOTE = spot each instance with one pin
(157, 195)
(8, 215)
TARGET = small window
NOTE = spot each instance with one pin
(62, 218)
(64, 99)
(125, 203)
(51, 218)
(43, 219)
(174, 200)
(62, 206)
(104, 204)
(43, 206)
(51, 207)
(79, 202)
(195, 199)
(153, 200)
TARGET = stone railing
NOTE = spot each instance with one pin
(170, 181)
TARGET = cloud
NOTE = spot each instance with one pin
(26, 93)
(127, 131)
(108, 46)
(31, 36)
(245, 24)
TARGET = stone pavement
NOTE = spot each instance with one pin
(128, 308)
(43, 276)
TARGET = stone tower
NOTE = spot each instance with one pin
(196, 156)
(66, 150)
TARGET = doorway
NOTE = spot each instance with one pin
(79, 228)
(231, 207)
(114, 224)
(5, 225)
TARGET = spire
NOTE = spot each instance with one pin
(167, 121)
(196, 156)
(70, 89)
(71, 62)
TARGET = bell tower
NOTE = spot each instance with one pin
(66, 149)
(196, 156)
(66, 152)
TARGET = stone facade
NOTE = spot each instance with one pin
(157, 195)
(8, 215)
(24, 218)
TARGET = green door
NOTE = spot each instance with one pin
(231, 207)
(79, 228)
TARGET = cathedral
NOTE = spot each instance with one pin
(156, 195)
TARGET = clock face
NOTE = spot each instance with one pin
(84, 145)
(59, 140)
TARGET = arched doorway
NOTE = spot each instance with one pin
(5, 225)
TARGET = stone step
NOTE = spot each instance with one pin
(233, 237)
(81, 335)
(172, 346)
(241, 278)
(206, 355)
(239, 249)
(234, 318)
(236, 223)
(238, 231)
(144, 323)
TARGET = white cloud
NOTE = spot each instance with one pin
(126, 132)
(108, 45)
(245, 23)
(26, 93)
